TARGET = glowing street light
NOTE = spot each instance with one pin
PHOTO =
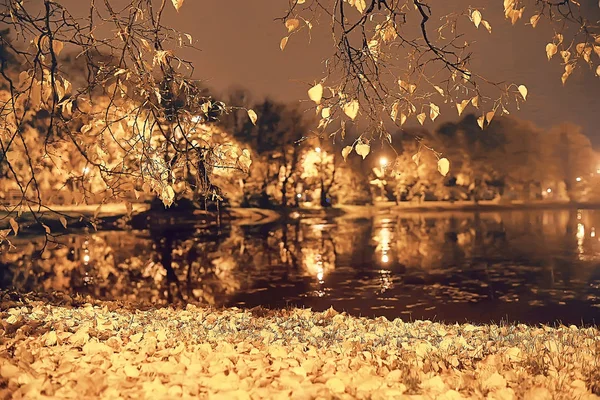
(383, 161)
(578, 179)
(318, 149)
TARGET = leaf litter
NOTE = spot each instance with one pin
(106, 350)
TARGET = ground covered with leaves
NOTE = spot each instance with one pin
(52, 348)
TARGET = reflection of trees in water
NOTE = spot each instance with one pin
(172, 263)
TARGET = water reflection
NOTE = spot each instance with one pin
(537, 266)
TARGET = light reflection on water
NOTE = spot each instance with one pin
(531, 266)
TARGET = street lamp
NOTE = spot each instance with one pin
(318, 149)
(383, 161)
(578, 179)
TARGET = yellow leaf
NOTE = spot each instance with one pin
(63, 221)
(489, 116)
(402, 118)
(177, 4)
(523, 91)
(439, 89)
(131, 371)
(443, 166)
(14, 225)
(345, 151)
(253, 117)
(551, 50)
(434, 111)
(292, 24)
(476, 17)
(487, 26)
(394, 113)
(360, 5)
(534, 20)
(326, 112)
(351, 109)
(283, 42)
(51, 338)
(480, 121)
(336, 385)
(315, 93)
(475, 101)
(416, 158)
(598, 70)
(421, 117)
(461, 106)
(362, 149)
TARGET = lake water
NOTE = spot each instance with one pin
(526, 266)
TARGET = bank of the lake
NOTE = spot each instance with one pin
(68, 348)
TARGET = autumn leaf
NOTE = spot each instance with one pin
(362, 149)
(283, 42)
(523, 91)
(434, 111)
(598, 70)
(487, 26)
(177, 4)
(443, 166)
(480, 121)
(351, 109)
(489, 116)
(416, 158)
(402, 119)
(253, 117)
(326, 112)
(14, 225)
(461, 106)
(292, 24)
(476, 17)
(394, 113)
(421, 117)
(315, 93)
(475, 101)
(439, 89)
(551, 50)
(63, 221)
(57, 46)
(346, 151)
(534, 20)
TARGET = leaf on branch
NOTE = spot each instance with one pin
(443, 166)
(487, 26)
(439, 89)
(402, 119)
(253, 117)
(63, 221)
(292, 24)
(434, 111)
(362, 149)
(351, 109)
(568, 70)
(534, 20)
(551, 50)
(421, 117)
(523, 91)
(47, 229)
(480, 121)
(326, 112)
(177, 4)
(598, 70)
(346, 151)
(361, 5)
(168, 196)
(315, 93)
(14, 225)
(417, 158)
(283, 42)
(476, 17)
(461, 106)
(475, 101)
(489, 116)
(394, 113)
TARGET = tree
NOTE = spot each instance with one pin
(398, 59)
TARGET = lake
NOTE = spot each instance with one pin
(539, 266)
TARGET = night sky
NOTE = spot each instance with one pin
(239, 46)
